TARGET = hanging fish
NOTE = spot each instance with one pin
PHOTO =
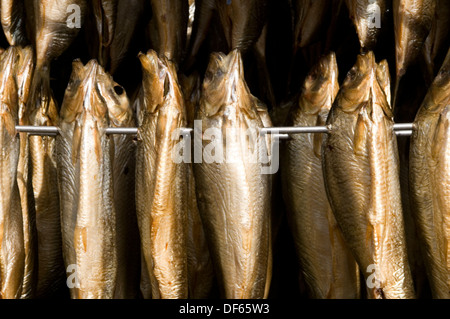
(412, 23)
(327, 264)
(200, 271)
(368, 16)
(12, 250)
(85, 178)
(24, 75)
(361, 174)
(12, 14)
(161, 182)
(429, 180)
(168, 28)
(234, 196)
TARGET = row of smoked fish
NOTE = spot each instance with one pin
(355, 213)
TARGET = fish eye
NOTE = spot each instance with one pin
(118, 89)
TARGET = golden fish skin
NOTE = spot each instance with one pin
(412, 24)
(84, 157)
(234, 198)
(429, 181)
(49, 29)
(168, 28)
(42, 110)
(12, 250)
(328, 266)
(361, 174)
(368, 18)
(161, 190)
(200, 269)
(12, 13)
(24, 75)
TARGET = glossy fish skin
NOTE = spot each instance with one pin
(12, 250)
(84, 157)
(24, 75)
(366, 14)
(328, 266)
(412, 24)
(42, 111)
(200, 269)
(161, 183)
(361, 173)
(308, 20)
(234, 198)
(429, 180)
(12, 13)
(49, 28)
(168, 28)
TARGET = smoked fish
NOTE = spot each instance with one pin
(361, 174)
(429, 181)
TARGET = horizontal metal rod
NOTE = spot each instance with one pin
(402, 129)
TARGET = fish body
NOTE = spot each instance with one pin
(12, 243)
(429, 181)
(234, 196)
(123, 168)
(168, 28)
(200, 269)
(328, 266)
(368, 18)
(53, 26)
(85, 180)
(24, 75)
(161, 182)
(361, 173)
(12, 14)
(412, 24)
(42, 110)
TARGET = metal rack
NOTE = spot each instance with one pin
(401, 129)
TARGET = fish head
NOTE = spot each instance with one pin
(366, 81)
(224, 84)
(153, 78)
(320, 86)
(116, 99)
(8, 89)
(85, 92)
